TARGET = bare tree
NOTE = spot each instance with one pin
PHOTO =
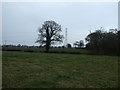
(49, 33)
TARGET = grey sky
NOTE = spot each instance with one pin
(20, 20)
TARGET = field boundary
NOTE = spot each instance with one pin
(59, 52)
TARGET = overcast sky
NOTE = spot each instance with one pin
(20, 20)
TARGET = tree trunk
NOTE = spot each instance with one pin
(47, 46)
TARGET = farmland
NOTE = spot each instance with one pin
(45, 70)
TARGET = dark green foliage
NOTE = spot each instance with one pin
(78, 44)
(119, 43)
(69, 45)
(103, 42)
(81, 43)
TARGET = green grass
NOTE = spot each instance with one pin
(41, 70)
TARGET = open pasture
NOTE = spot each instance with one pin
(43, 70)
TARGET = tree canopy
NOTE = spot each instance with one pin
(101, 41)
(49, 34)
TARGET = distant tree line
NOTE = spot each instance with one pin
(78, 44)
(104, 42)
(19, 45)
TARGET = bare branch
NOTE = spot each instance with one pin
(49, 34)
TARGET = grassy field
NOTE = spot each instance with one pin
(42, 70)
